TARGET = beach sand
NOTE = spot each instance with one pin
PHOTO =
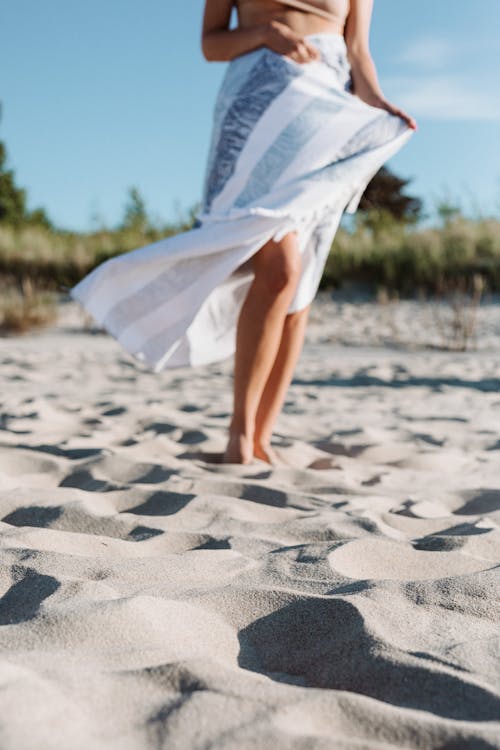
(348, 598)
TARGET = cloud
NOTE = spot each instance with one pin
(434, 82)
(428, 52)
(446, 97)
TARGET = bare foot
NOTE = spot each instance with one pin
(268, 454)
(239, 449)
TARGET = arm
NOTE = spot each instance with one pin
(219, 43)
(364, 75)
(363, 72)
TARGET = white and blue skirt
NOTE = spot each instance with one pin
(292, 149)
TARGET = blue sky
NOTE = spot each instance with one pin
(102, 95)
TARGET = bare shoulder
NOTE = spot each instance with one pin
(357, 29)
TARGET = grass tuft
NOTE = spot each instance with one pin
(21, 311)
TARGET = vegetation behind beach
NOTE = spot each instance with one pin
(389, 246)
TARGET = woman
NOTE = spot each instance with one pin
(300, 127)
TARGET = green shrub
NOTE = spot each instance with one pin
(379, 252)
(408, 260)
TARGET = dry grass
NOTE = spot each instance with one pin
(57, 260)
(410, 261)
(402, 259)
(452, 263)
(456, 319)
(25, 309)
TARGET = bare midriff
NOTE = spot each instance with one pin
(302, 21)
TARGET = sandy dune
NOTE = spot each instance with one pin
(153, 598)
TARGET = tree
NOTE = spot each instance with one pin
(447, 211)
(13, 208)
(39, 218)
(12, 198)
(385, 193)
(135, 216)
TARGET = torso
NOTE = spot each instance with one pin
(253, 12)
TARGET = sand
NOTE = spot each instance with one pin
(348, 598)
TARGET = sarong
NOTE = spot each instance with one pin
(292, 149)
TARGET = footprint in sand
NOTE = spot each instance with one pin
(376, 559)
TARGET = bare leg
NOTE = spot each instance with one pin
(278, 382)
(260, 327)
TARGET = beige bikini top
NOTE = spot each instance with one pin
(311, 8)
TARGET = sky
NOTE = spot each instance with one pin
(102, 95)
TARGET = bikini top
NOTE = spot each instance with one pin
(311, 8)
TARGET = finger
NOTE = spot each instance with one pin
(308, 50)
(303, 52)
(313, 51)
(402, 114)
(296, 57)
(411, 121)
(407, 118)
(397, 112)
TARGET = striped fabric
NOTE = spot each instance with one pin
(292, 149)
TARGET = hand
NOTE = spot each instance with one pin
(366, 88)
(281, 39)
(410, 121)
(389, 107)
